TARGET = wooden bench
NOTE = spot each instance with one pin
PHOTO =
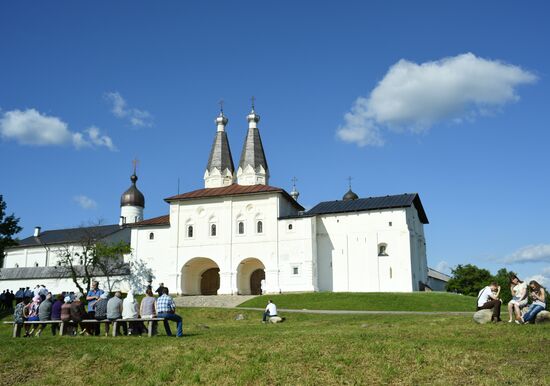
(63, 325)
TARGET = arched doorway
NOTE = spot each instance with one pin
(250, 274)
(210, 281)
(200, 276)
(256, 281)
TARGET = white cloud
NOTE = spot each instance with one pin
(443, 267)
(97, 139)
(85, 202)
(30, 127)
(414, 97)
(120, 109)
(529, 254)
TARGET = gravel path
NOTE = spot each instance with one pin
(217, 301)
(232, 301)
(357, 312)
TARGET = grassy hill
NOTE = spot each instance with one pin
(416, 301)
(306, 349)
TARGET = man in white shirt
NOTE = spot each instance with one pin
(488, 299)
(270, 310)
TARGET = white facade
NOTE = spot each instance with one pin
(248, 237)
(42, 262)
(333, 252)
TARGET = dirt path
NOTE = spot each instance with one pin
(232, 301)
(216, 301)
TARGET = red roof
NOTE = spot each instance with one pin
(232, 190)
(161, 220)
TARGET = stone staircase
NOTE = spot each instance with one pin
(217, 301)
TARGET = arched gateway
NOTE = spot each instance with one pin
(250, 274)
(200, 276)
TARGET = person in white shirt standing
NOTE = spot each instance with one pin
(270, 311)
(488, 299)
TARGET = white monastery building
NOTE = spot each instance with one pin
(239, 235)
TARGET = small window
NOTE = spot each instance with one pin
(151, 236)
(390, 223)
(295, 270)
(213, 230)
(260, 227)
(391, 273)
(36, 264)
(241, 228)
(190, 231)
(289, 227)
(382, 250)
(16, 265)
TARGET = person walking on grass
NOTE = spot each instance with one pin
(270, 311)
(519, 300)
(166, 308)
(539, 302)
(488, 298)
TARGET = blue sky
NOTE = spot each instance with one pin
(447, 100)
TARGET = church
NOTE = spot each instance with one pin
(240, 235)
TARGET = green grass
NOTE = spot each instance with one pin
(306, 349)
(416, 301)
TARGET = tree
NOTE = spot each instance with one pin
(140, 275)
(8, 227)
(109, 261)
(92, 257)
(469, 279)
(79, 265)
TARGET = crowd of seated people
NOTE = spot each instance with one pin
(41, 305)
(520, 310)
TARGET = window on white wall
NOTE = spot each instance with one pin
(16, 265)
(295, 270)
(151, 236)
(190, 231)
(36, 264)
(290, 227)
(382, 249)
(213, 230)
(260, 227)
(240, 227)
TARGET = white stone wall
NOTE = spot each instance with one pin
(348, 246)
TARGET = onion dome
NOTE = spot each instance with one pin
(132, 196)
(294, 194)
(350, 195)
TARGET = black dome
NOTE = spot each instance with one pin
(350, 195)
(132, 197)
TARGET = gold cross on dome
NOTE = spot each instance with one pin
(349, 181)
